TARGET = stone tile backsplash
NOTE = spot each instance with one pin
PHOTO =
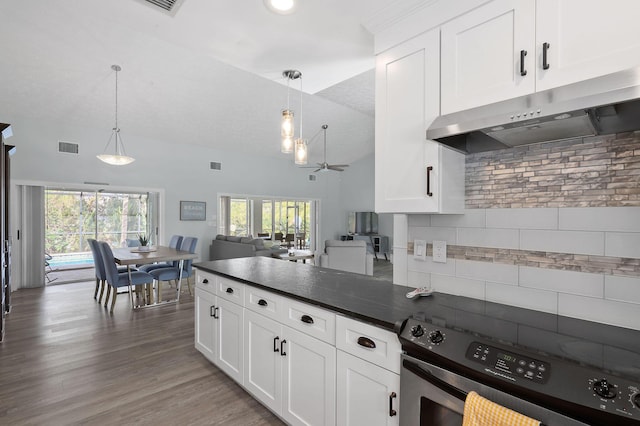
(601, 171)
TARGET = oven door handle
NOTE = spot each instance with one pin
(435, 381)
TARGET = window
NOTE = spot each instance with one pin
(266, 218)
(73, 216)
(239, 217)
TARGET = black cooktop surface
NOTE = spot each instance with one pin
(612, 349)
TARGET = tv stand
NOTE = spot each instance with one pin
(379, 243)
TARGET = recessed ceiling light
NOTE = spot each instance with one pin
(282, 7)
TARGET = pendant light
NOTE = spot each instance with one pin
(300, 150)
(119, 158)
(287, 124)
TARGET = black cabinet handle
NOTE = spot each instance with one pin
(523, 72)
(205, 281)
(262, 302)
(212, 311)
(429, 193)
(366, 342)
(306, 319)
(545, 62)
(392, 412)
(229, 290)
(282, 352)
(215, 313)
(275, 344)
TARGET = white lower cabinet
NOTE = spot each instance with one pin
(262, 360)
(205, 325)
(230, 351)
(284, 353)
(290, 372)
(219, 328)
(366, 393)
(309, 380)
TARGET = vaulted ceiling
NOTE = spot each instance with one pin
(208, 72)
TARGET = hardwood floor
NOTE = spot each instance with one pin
(65, 360)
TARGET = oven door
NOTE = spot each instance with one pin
(432, 396)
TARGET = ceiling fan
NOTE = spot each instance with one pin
(324, 166)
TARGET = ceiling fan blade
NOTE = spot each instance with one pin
(337, 169)
(310, 167)
(339, 165)
(317, 170)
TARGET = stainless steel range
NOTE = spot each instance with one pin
(558, 370)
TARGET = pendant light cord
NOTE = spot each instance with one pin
(288, 81)
(116, 99)
(300, 106)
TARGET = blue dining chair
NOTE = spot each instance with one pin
(172, 273)
(175, 242)
(101, 276)
(117, 279)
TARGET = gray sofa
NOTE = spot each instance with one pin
(230, 247)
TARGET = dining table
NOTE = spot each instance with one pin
(132, 256)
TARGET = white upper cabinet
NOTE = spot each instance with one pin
(410, 176)
(587, 38)
(481, 53)
(509, 48)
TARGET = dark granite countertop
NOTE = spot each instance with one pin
(355, 295)
(384, 304)
(362, 297)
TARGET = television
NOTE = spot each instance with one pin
(362, 223)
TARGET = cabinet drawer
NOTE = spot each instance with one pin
(231, 290)
(314, 321)
(206, 281)
(264, 302)
(373, 344)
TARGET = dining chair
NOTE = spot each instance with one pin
(301, 240)
(98, 263)
(117, 279)
(289, 240)
(278, 237)
(172, 273)
(48, 269)
(132, 242)
(175, 242)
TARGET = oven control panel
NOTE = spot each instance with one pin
(510, 364)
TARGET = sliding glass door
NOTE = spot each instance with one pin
(272, 219)
(71, 217)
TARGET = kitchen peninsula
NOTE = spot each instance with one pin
(295, 336)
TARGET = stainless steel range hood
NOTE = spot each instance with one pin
(602, 105)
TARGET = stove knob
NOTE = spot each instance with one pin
(604, 389)
(436, 337)
(417, 330)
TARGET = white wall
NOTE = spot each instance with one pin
(183, 171)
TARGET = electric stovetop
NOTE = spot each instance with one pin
(614, 350)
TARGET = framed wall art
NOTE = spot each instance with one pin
(193, 210)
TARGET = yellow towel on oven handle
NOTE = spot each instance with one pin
(479, 411)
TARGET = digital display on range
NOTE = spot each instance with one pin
(507, 357)
(508, 365)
